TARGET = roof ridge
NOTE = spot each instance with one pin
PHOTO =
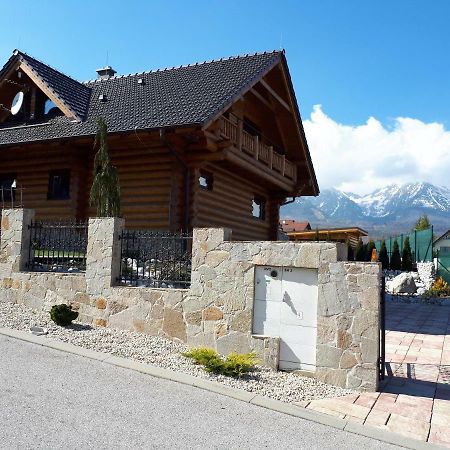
(183, 66)
(26, 55)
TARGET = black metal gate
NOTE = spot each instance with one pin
(382, 358)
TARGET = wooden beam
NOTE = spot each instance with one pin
(8, 74)
(276, 96)
(48, 92)
(262, 99)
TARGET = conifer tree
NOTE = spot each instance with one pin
(396, 262)
(407, 261)
(360, 252)
(423, 223)
(383, 256)
(105, 190)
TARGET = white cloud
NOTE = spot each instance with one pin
(365, 157)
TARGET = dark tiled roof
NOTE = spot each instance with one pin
(73, 93)
(188, 95)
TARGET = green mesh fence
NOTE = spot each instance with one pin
(443, 267)
(421, 243)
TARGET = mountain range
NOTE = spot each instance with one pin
(386, 211)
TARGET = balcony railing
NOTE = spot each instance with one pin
(256, 148)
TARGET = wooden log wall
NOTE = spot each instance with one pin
(151, 183)
(31, 167)
(229, 204)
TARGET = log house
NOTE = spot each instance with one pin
(214, 144)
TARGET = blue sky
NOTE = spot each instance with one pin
(358, 59)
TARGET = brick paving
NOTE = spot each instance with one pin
(415, 396)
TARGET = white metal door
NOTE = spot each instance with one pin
(286, 306)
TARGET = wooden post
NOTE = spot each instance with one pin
(283, 165)
(240, 129)
(256, 147)
(270, 157)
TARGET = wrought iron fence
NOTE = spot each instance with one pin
(58, 246)
(155, 259)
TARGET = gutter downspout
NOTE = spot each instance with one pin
(187, 177)
(287, 202)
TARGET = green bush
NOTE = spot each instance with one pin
(62, 315)
(202, 355)
(238, 364)
(234, 365)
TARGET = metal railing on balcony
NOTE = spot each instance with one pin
(257, 148)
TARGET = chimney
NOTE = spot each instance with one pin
(105, 73)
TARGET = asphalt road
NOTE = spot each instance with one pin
(54, 400)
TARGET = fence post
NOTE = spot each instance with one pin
(103, 254)
(416, 256)
(15, 237)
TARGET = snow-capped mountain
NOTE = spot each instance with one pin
(390, 199)
(392, 208)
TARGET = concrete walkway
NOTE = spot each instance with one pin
(50, 399)
(415, 397)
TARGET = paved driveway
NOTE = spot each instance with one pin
(54, 400)
(415, 397)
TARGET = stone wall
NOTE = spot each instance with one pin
(217, 309)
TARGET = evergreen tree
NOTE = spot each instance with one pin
(383, 256)
(370, 247)
(360, 253)
(407, 261)
(350, 253)
(105, 190)
(396, 262)
(423, 223)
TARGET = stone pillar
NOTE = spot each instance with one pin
(15, 238)
(204, 240)
(348, 325)
(103, 255)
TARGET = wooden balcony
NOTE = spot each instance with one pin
(257, 149)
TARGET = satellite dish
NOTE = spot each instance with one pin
(17, 103)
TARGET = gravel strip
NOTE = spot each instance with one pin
(162, 352)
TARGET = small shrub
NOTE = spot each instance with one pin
(440, 288)
(238, 364)
(62, 315)
(202, 355)
(234, 365)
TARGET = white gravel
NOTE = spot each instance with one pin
(288, 387)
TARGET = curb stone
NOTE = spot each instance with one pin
(238, 394)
